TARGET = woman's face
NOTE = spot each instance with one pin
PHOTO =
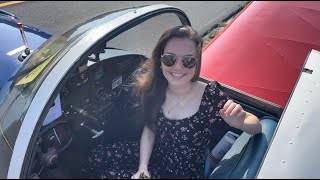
(178, 74)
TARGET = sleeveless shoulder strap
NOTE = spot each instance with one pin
(215, 84)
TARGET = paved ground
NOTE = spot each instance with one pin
(57, 16)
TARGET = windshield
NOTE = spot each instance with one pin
(16, 98)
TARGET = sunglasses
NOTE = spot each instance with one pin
(169, 60)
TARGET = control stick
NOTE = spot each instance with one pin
(96, 133)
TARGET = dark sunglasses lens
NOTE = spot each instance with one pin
(189, 61)
(168, 60)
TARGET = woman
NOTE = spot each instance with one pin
(182, 115)
(188, 108)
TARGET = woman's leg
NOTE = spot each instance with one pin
(117, 160)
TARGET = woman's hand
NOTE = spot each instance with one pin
(233, 114)
(139, 175)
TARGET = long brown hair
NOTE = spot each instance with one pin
(151, 83)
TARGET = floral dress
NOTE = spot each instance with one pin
(179, 147)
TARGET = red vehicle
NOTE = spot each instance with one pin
(263, 50)
(268, 57)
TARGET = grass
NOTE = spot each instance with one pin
(212, 33)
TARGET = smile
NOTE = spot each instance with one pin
(177, 74)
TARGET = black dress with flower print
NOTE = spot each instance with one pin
(179, 147)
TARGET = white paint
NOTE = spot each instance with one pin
(15, 51)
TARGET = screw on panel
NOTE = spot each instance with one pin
(297, 126)
(290, 142)
(309, 71)
(283, 161)
(302, 113)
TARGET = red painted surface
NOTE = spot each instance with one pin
(263, 50)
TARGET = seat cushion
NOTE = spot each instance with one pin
(245, 156)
